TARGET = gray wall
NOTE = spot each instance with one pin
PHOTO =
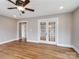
(65, 29)
(65, 21)
(75, 28)
(8, 29)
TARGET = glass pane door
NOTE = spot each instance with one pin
(51, 31)
(43, 31)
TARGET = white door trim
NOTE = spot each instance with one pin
(46, 20)
(18, 28)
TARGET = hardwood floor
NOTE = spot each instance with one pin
(17, 50)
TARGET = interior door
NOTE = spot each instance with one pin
(52, 31)
(43, 31)
(48, 32)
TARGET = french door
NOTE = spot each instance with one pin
(48, 31)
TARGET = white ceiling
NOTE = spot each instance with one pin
(41, 7)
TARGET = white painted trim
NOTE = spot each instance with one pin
(40, 42)
(7, 41)
(76, 49)
(64, 45)
(53, 43)
(18, 28)
(57, 31)
(33, 41)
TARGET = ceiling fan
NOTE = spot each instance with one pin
(20, 5)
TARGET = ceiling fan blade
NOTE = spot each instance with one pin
(12, 2)
(29, 9)
(26, 2)
(12, 8)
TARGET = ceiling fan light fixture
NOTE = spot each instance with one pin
(20, 8)
(20, 5)
(23, 0)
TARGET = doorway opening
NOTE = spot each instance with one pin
(22, 31)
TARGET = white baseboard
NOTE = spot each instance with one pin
(64, 45)
(53, 43)
(76, 49)
(40, 42)
(33, 41)
(7, 41)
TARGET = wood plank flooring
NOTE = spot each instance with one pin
(21, 50)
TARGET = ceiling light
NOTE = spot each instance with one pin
(23, 0)
(61, 7)
(20, 8)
